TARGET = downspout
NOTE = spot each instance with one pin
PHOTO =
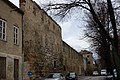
(22, 47)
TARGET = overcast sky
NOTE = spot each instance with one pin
(72, 29)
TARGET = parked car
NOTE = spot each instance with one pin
(71, 76)
(55, 76)
(103, 72)
(95, 73)
(110, 77)
(115, 73)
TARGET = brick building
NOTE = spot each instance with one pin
(10, 41)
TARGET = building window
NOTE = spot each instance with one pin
(16, 69)
(88, 56)
(54, 64)
(64, 68)
(2, 29)
(16, 35)
(2, 68)
(88, 62)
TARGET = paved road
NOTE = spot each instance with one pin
(91, 78)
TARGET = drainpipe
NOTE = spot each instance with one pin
(22, 47)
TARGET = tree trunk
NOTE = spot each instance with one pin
(116, 59)
(109, 63)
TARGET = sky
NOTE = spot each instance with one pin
(72, 29)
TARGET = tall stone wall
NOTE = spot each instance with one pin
(42, 42)
(72, 60)
(43, 47)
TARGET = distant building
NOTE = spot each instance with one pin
(85, 60)
(89, 57)
(10, 41)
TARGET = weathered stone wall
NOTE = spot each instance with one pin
(13, 16)
(43, 47)
(42, 42)
(72, 60)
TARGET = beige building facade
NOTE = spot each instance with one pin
(10, 41)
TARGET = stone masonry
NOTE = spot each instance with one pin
(72, 60)
(43, 45)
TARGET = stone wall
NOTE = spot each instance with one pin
(72, 60)
(43, 46)
(42, 42)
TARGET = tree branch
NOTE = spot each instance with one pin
(95, 17)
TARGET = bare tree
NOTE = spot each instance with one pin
(65, 8)
(99, 42)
